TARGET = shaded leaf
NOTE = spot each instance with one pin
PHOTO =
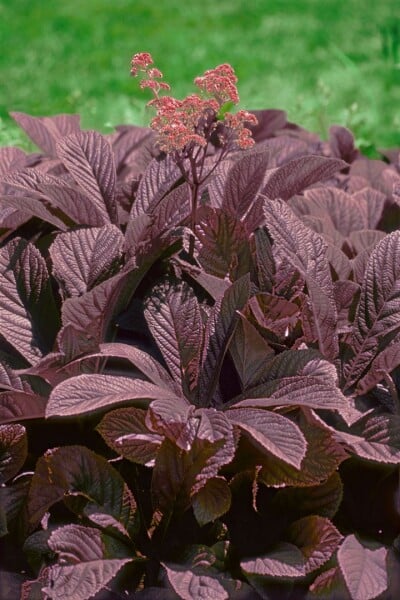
(74, 473)
(219, 331)
(13, 450)
(224, 245)
(364, 570)
(211, 501)
(157, 180)
(126, 432)
(33, 208)
(250, 352)
(286, 560)
(385, 362)
(20, 406)
(323, 499)
(317, 538)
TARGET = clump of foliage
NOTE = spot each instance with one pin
(199, 365)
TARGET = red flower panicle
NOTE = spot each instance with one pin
(181, 124)
(187, 128)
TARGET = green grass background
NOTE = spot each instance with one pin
(323, 61)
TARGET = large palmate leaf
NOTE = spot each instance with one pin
(212, 500)
(299, 173)
(88, 157)
(297, 378)
(363, 569)
(84, 567)
(224, 247)
(323, 500)
(82, 258)
(158, 179)
(219, 331)
(306, 251)
(46, 131)
(317, 538)
(86, 481)
(243, 182)
(126, 432)
(189, 584)
(274, 433)
(20, 406)
(385, 362)
(313, 540)
(180, 475)
(374, 437)
(28, 316)
(323, 456)
(13, 450)
(175, 322)
(250, 353)
(378, 315)
(87, 393)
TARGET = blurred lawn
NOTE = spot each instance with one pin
(324, 61)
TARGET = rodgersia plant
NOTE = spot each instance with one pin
(192, 128)
(228, 429)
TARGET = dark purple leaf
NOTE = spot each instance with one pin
(158, 179)
(376, 438)
(88, 157)
(212, 501)
(174, 418)
(306, 251)
(378, 312)
(74, 203)
(13, 450)
(126, 432)
(341, 141)
(224, 247)
(250, 352)
(364, 570)
(82, 258)
(296, 175)
(34, 208)
(317, 538)
(329, 584)
(46, 131)
(274, 433)
(83, 567)
(385, 362)
(11, 159)
(189, 585)
(28, 316)
(174, 320)
(286, 560)
(324, 455)
(19, 406)
(323, 500)
(87, 393)
(219, 332)
(243, 182)
(71, 471)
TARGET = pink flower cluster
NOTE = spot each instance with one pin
(182, 124)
